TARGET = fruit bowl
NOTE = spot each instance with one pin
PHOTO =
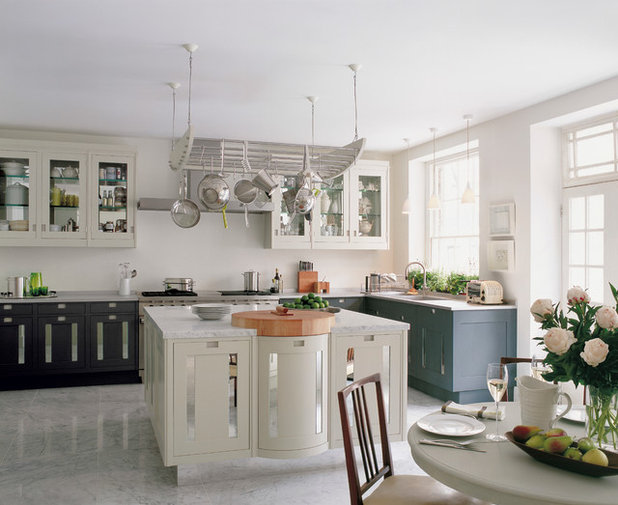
(570, 464)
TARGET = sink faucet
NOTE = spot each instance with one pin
(407, 271)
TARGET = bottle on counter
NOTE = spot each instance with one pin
(276, 282)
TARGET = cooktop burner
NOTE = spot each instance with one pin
(169, 292)
(245, 293)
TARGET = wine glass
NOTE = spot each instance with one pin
(497, 382)
(538, 367)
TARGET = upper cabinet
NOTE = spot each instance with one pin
(350, 211)
(61, 194)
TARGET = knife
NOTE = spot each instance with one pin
(452, 446)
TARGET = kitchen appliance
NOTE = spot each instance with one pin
(484, 292)
(252, 280)
(16, 286)
(179, 283)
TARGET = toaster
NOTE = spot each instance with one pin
(485, 292)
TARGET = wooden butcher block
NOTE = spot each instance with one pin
(301, 323)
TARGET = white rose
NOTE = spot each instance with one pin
(607, 318)
(541, 308)
(595, 351)
(558, 340)
(577, 295)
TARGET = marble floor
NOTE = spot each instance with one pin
(95, 445)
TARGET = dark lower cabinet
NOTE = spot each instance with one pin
(112, 341)
(448, 350)
(55, 344)
(61, 342)
(16, 344)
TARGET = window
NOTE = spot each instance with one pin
(453, 229)
(591, 150)
(589, 201)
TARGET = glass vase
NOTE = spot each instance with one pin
(602, 417)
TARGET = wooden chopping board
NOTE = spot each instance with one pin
(301, 323)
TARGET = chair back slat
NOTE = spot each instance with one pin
(373, 472)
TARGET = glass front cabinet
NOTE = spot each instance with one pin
(350, 211)
(60, 194)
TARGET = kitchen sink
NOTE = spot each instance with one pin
(403, 295)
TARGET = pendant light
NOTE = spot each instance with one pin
(405, 208)
(434, 201)
(355, 67)
(468, 194)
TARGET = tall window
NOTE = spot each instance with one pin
(590, 200)
(453, 229)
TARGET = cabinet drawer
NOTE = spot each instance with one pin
(16, 309)
(351, 303)
(61, 308)
(113, 307)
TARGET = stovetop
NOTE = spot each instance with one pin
(246, 293)
(169, 292)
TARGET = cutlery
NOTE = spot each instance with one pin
(450, 445)
(457, 442)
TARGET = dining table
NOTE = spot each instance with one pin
(506, 475)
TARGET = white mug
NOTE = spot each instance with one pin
(538, 402)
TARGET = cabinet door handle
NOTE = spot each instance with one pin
(423, 356)
(433, 311)
(212, 344)
(7, 307)
(299, 343)
(442, 368)
(112, 305)
(8, 319)
(62, 306)
(112, 317)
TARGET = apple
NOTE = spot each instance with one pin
(573, 453)
(596, 457)
(557, 444)
(522, 432)
(585, 444)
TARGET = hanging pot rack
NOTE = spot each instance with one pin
(277, 158)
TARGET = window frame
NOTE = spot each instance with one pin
(429, 188)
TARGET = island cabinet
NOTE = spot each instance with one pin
(448, 350)
(360, 354)
(292, 396)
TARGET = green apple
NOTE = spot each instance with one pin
(596, 457)
(585, 444)
(573, 453)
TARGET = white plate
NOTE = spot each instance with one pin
(577, 414)
(452, 425)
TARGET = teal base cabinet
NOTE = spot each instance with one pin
(448, 350)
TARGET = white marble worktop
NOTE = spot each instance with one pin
(438, 302)
(74, 296)
(180, 322)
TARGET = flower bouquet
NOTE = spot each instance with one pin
(582, 347)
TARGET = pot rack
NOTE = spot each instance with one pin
(277, 158)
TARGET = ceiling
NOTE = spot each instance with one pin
(101, 66)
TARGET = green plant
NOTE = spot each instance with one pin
(456, 283)
(453, 282)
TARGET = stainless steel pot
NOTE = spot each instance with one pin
(252, 280)
(180, 283)
(17, 286)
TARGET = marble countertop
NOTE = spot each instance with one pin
(75, 296)
(438, 302)
(180, 322)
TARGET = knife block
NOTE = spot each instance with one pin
(306, 280)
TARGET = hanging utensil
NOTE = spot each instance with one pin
(213, 192)
(185, 212)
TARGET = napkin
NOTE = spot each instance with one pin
(451, 407)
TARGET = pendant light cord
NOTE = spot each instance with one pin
(355, 111)
(173, 117)
(190, 79)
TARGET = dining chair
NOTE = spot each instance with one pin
(507, 360)
(393, 489)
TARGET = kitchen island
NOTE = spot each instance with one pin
(216, 391)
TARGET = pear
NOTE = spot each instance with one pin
(522, 432)
(536, 441)
(596, 457)
(556, 432)
(557, 444)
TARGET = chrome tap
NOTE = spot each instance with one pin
(407, 271)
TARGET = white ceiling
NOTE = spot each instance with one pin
(100, 66)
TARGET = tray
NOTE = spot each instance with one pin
(570, 464)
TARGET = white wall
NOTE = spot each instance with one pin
(213, 256)
(514, 167)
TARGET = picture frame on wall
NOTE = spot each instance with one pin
(501, 255)
(502, 219)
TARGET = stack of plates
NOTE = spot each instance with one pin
(211, 311)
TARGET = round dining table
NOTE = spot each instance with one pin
(506, 475)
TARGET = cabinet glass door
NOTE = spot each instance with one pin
(331, 206)
(369, 212)
(66, 206)
(17, 194)
(290, 224)
(112, 191)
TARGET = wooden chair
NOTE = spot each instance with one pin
(394, 489)
(506, 360)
